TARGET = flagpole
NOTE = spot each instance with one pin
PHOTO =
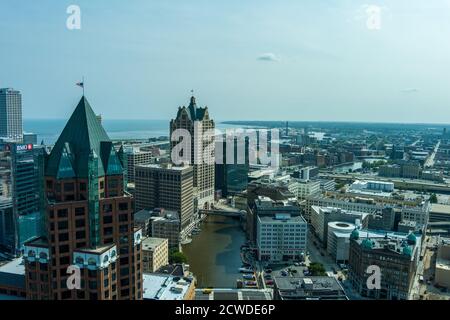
(83, 85)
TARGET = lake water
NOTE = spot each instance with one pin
(214, 254)
(49, 130)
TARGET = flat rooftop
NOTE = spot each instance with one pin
(12, 274)
(164, 167)
(280, 217)
(440, 208)
(164, 287)
(233, 294)
(151, 243)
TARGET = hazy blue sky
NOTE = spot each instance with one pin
(245, 59)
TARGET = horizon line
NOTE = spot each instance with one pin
(267, 121)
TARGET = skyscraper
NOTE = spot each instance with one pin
(89, 219)
(198, 123)
(168, 187)
(22, 168)
(11, 114)
(231, 177)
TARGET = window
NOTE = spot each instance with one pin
(63, 213)
(79, 223)
(79, 211)
(107, 219)
(80, 234)
(64, 248)
(63, 237)
(108, 231)
(63, 225)
(92, 285)
(123, 206)
(82, 186)
(107, 208)
(123, 217)
(64, 260)
(69, 187)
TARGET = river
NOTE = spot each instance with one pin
(214, 254)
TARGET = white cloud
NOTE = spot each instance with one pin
(410, 90)
(269, 57)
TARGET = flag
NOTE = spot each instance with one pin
(80, 84)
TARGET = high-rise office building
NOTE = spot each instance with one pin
(11, 114)
(89, 219)
(22, 168)
(135, 157)
(231, 175)
(200, 126)
(168, 187)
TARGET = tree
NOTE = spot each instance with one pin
(177, 257)
(433, 198)
(317, 269)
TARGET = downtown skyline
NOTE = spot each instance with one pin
(253, 61)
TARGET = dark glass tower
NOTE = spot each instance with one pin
(231, 177)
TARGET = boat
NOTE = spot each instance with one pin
(186, 241)
(250, 283)
(245, 270)
(248, 276)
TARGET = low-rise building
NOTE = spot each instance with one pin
(439, 212)
(281, 237)
(322, 216)
(442, 274)
(233, 294)
(12, 280)
(308, 288)
(396, 256)
(155, 252)
(168, 227)
(168, 287)
(338, 240)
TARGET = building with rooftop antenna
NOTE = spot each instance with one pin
(197, 121)
(89, 219)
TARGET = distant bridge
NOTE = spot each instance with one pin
(223, 213)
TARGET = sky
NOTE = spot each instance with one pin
(329, 60)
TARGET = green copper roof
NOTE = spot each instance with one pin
(407, 251)
(355, 234)
(412, 239)
(82, 135)
(367, 244)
